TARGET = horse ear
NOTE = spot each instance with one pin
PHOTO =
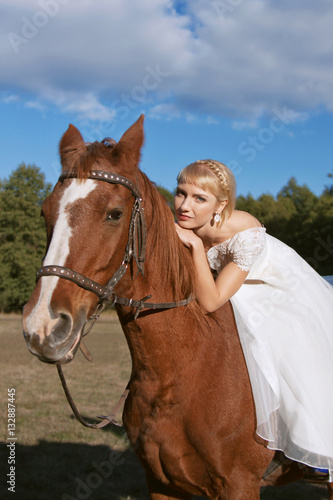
(71, 139)
(130, 144)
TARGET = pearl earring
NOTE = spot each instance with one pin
(217, 217)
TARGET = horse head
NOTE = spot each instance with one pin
(87, 224)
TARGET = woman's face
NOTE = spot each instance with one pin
(194, 207)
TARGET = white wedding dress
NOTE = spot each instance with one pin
(284, 315)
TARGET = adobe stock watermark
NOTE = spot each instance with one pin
(122, 106)
(295, 280)
(223, 7)
(322, 252)
(257, 143)
(102, 471)
(126, 102)
(31, 26)
(277, 297)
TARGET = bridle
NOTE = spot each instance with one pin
(135, 249)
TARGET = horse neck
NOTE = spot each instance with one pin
(161, 343)
(158, 340)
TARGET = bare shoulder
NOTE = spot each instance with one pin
(244, 220)
(239, 221)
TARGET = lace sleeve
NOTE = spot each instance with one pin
(246, 246)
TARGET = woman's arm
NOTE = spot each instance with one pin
(211, 294)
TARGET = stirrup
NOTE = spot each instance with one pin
(316, 475)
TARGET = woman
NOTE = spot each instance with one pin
(283, 311)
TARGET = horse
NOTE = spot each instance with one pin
(189, 414)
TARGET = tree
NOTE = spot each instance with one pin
(22, 234)
(321, 256)
(248, 204)
(329, 189)
(168, 197)
(298, 231)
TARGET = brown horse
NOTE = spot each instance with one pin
(190, 414)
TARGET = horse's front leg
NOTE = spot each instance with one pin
(159, 491)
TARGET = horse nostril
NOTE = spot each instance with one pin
(64, 317)
(62, 327)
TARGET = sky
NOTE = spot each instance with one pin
(245, 82)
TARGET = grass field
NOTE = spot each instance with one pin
(56, 458)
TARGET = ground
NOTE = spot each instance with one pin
(55, 457)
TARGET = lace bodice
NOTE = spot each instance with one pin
(243, 249)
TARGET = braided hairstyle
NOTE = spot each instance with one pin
(213, 176)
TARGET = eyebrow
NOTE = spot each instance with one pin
(202, 195)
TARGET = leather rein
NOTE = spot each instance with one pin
(135, 249)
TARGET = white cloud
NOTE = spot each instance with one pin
(10, 98)
(211, 121)
(165, 111)
(38, 106)
(240, 62)
(85, 106)
(191, 118)
(243, 124)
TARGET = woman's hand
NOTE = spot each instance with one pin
(187, 236)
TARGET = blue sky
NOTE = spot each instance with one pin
(246, 82)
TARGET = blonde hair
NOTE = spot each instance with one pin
(213, 176)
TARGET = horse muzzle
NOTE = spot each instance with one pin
(53, 340)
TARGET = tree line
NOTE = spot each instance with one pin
(296, 216)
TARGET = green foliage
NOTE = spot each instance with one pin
(168, 197)
(329, 189)
(22, 234)
(300, 219)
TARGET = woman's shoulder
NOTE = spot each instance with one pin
(238, 222)
(243, 242)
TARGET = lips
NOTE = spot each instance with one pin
(183, 217)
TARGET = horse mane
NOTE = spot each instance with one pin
(177, 265)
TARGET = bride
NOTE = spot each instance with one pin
(283, 310)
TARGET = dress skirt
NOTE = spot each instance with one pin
(284, 315)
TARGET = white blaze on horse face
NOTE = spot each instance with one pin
(40, 320)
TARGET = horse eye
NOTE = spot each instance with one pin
(114, 215)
